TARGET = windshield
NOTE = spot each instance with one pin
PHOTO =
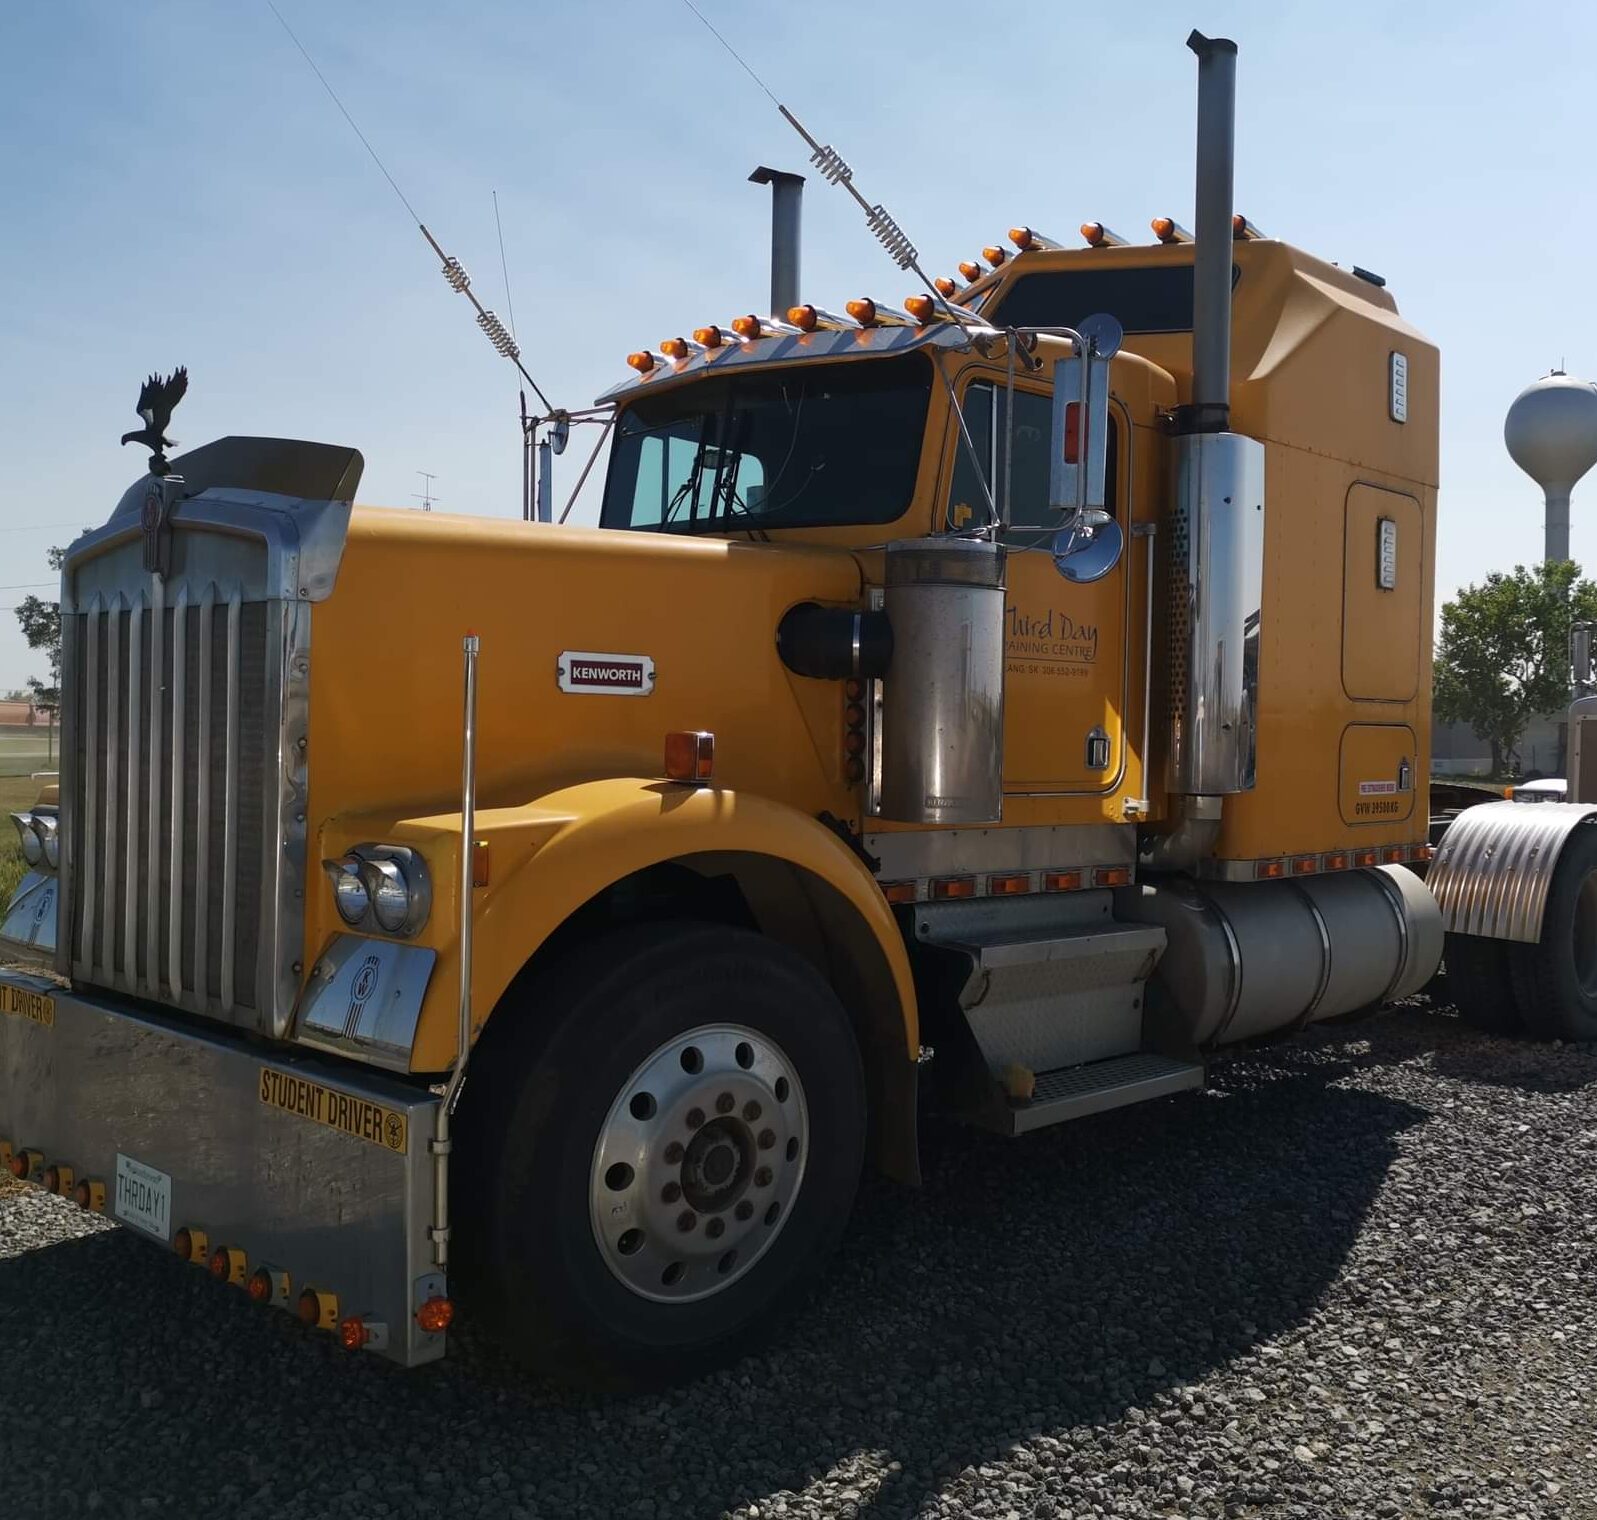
(805, 446)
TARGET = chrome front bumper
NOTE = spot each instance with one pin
(309, 1167)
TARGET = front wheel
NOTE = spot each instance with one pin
(678, 1161)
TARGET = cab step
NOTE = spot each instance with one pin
(1073, 1092)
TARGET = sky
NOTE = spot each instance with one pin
(178, 189)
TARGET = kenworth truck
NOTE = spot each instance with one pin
(1003, 700)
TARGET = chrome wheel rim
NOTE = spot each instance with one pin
(698, 1163)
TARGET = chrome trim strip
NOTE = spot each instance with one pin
(1307, 1016)
(113, 668)
(91, 794)
(1235, 952)
(135, 795)
(202, 814)
(174, 880)
(230, 806)
(1494, 867)
(152, 866)
(1394, 900)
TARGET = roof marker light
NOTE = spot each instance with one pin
(921, 307)
(676, 348)
(747, 327)
(944, 286)
(863, 311)
(1028, 241)
(1099, 236)
(805, 318)
(642, 361)
(1168, 230)
(1243, 230)
(972, 272)
(708, 337)
(994, 254)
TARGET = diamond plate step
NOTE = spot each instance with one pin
(1073, 1092)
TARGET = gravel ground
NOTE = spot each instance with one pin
(1354, 1278)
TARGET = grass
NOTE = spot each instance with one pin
(16, 792)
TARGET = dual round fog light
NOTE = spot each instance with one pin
(382, 887)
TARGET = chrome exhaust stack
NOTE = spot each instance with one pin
(787, 202)
(1216, 543)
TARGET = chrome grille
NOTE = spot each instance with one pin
(173, 769)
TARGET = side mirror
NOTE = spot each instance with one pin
(1079, 447)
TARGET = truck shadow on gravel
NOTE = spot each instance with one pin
(1030, 1288)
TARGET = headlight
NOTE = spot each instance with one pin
(381, 887)
(50, 837)
(32, 845)
(349, 891)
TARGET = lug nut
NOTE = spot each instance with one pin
(715, 1229)
(762, 1178)
(725, 1103)
(686, 1220)
(767, 1139)
(695, 1118)
(671, 1192)
(674, 1154)
(744, 1210)
(751, 1110)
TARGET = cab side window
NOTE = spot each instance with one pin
(985, 416)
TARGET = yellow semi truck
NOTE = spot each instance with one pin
(998, 702)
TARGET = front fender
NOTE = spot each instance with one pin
(550, 856)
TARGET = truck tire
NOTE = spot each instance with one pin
(1555, 979)
(679, 1160)
(1480, 985)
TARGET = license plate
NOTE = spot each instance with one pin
(25, 1003)
(143, 1197)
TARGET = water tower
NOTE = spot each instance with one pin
(1551, 433)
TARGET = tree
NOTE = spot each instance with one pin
(1503, 655)
(41, 627)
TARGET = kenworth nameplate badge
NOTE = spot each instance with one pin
(612, 675)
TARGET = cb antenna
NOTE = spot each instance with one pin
(833, 168)
(454, 272)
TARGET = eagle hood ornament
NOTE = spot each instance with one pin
(157, 398)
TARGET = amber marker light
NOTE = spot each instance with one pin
(921, 307)
(642, 361)
(953, 886)
(1422, 852)
(690, 756)
(259, 1286)
(436, 1315)
(994, 254)
(708, 337)
(944, 286)
(1334, 860)
(971, 271)
(1305, 865)
(1268, 870)
(747, 327)
(1061, 881)
(862, 309)
(1168, 230)
(899, 891)
(192, 1245)
(352, 1332)
(1011, 884)
(1392, 855)
(1023, 238)
(1112, 876)
(1364, 857)
(1099, 236)
(675, 348)
(23, 1164)
(803, 317)
(57, 1179)
(1244, 230)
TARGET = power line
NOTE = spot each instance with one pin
(27, 585)
(41, 528)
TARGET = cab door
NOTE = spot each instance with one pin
(1065, 643)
